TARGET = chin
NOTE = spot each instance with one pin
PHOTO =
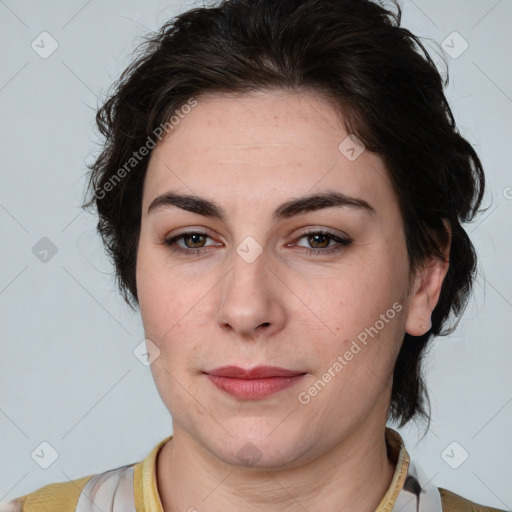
(257, 449)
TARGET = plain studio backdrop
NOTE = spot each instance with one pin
(69, 376)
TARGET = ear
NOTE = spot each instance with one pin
(426, 289)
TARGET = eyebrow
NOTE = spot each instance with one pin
(290, 208)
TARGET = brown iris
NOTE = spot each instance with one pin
(313, 239)
(196, 240)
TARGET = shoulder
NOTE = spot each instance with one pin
(99, 490)
(125, 488)
(57, 497)
(454, 503)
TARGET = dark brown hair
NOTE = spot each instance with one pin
(354, 52)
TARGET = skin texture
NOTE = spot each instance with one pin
(250, 153)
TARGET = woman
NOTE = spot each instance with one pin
(281, 189)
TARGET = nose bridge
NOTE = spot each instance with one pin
(248, 299)
(247, 278)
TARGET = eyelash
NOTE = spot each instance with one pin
(170, 242)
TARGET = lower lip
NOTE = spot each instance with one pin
(254, 389)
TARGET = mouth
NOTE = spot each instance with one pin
(254, 384)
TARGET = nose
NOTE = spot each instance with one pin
(251, 299)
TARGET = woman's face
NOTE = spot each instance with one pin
(264, 285)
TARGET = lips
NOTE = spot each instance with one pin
(259, 372)
(254, 384)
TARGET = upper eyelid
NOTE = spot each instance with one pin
(183, 235)
(206, 231)
(308, 231)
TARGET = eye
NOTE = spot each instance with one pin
(193, 242)
(321, 242)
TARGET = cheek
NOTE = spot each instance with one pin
(159, 295)
(346, 301)
(364, 310)
(172, 302)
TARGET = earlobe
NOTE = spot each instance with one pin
(423, 326)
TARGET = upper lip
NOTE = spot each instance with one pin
(258, 372)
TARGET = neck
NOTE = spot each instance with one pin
(354, 475)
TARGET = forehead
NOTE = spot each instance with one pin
(265, 147)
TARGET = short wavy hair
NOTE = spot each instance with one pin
(379, 77)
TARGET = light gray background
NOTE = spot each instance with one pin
(69, 376)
